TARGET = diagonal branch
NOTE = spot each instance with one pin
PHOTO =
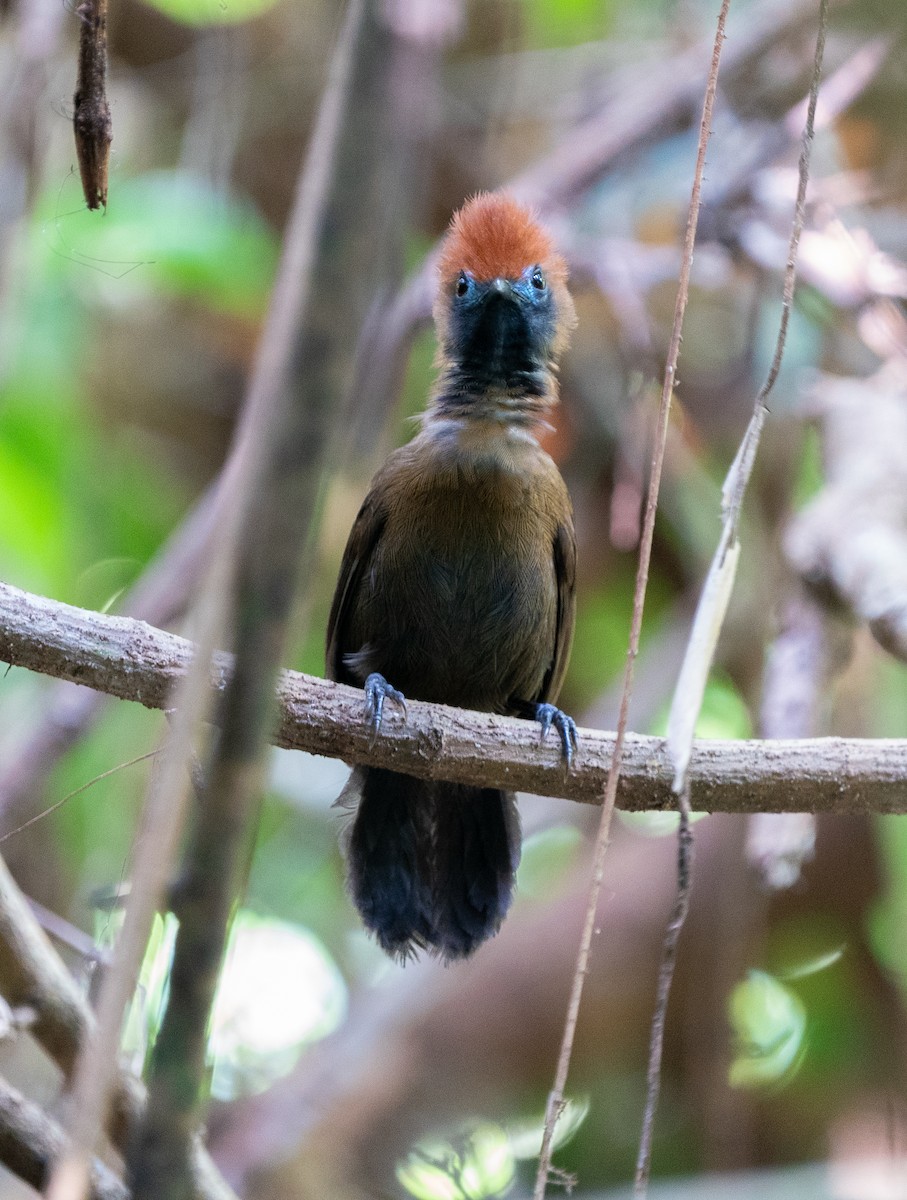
(133, 661)
(30, 1141)
(33, 975)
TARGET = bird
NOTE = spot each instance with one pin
(457, 585)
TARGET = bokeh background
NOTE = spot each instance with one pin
(126, 342)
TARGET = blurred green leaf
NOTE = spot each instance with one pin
(547, 855)
(93, 831)
(810, 472)
(167, 231)
(211, 12)
(769, 1023)
(526, 1136)
(602, 622)
(656, 824)
(566, 23)
(475, 1166)
(33, 548)
(814, 965)
(279, 991)
(888, 916)
(143, 1019)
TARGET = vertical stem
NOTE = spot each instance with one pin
(556, 1097)
(284, 437)
(663, 992)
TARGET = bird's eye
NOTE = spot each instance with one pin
(462, 284)
(538, 279)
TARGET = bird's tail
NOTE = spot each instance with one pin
(388, 850)
(430, 865)
(476, 853)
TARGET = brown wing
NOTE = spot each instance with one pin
(364, 535)
(564, 550)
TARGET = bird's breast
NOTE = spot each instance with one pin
(460, 603)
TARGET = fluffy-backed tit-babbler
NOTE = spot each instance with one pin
(457, 584)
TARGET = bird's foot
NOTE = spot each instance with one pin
(547, 715)
(377, 691)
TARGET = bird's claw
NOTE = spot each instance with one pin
(548, 715)
(377, 691)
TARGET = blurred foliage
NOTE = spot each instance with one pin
(212, 12)
(481, 1161)
(547, 857)
(280, 990)
(170, 234)
(478, 1166)
(769, 1023)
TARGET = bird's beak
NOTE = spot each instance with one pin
(501, 287)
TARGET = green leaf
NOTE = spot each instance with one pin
(169, 232)
(769, 1023)
(33, 547)
(211, 12)
(656, 824)
(279, 991)
(526, 1135)
(476, 1165)
(546, 857)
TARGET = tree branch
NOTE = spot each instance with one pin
(133, 661)
(32, 974)
(30, 1141)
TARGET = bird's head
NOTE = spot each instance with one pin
(503, 312)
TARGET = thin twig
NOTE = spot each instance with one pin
(291, 418)
(741, 469)
(663, 992)
(556, 1097)
(707, 624)
(77, 792)
(30, 1141)
(162, 822)
(32, 974)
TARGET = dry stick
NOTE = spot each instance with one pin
(707, 625)
(91, 120)
(132, 661)
(287, 439)
(742, 466)
(33, 975)
(556, 1098)
(162, 822)
(663, 990)
(46, 812)
(30, 1141)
